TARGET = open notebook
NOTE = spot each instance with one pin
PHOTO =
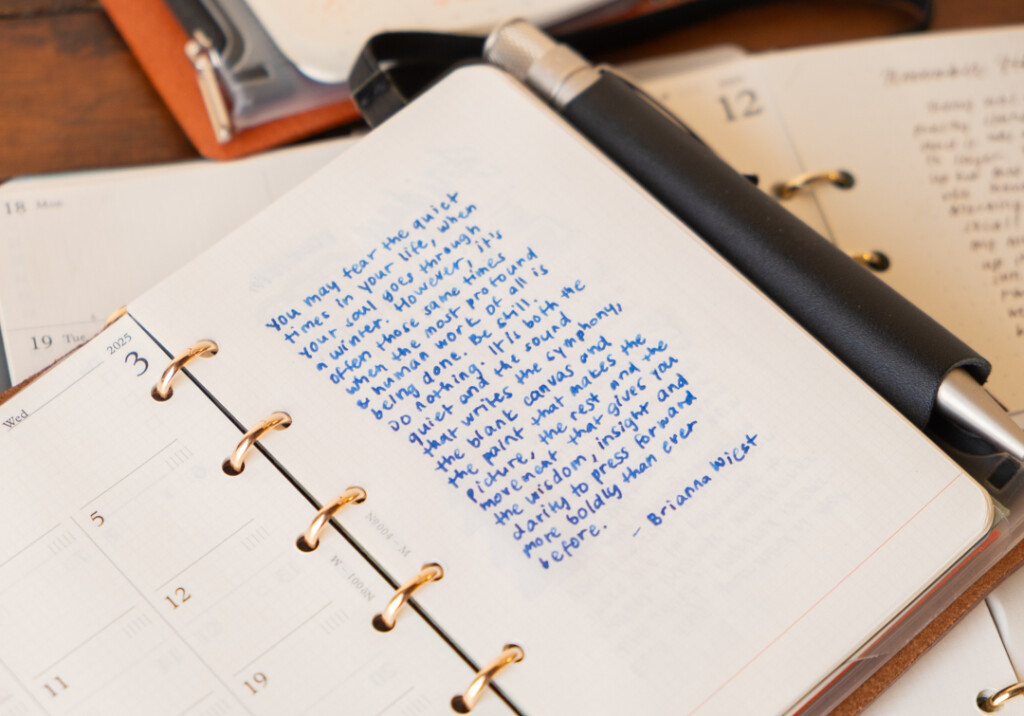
(628, 462)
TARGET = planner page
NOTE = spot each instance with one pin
(628, 461)
(137, 578)
(74, 247)
(1007, 605)
(932, 129)
(946, 680)
(730, 106)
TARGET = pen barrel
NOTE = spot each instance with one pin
(892, 345)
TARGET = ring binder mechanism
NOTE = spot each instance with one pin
(122, 311)
(275, 421)
(205, 59)
(839, 177)
(992, 702)
(874, 260)
(200, 349)
(310, 539)
(430, 572)
(464, 703)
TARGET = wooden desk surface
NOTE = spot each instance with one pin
(73, 97)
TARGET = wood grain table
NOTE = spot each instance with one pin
(73, 97)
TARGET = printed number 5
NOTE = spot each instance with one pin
(136, 359)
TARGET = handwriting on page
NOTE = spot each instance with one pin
(474, 351)
(972, 147)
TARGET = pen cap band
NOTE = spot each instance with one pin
(554, 71)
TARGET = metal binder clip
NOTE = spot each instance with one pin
(275, 421)
(310, 539)
(464, 703)
(385, 621)
(206, 60)
(200, 349)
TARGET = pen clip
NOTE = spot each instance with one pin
(205, 59)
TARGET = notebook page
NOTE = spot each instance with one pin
(1007, 605)
(619, 451)
(947, 678)
(137, 578)
(730, 106)
(932, 129)
(74, 247)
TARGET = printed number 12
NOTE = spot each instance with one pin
(743, 104)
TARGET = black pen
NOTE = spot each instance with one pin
(922, 369)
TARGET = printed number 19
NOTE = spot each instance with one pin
(259, 680)
(41, 342)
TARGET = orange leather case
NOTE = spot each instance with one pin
(158, 41)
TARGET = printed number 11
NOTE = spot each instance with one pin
(56, 686)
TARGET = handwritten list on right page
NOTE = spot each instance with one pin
(932, 130)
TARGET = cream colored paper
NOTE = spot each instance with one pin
(932, 128)
(947, 679)
(711, 530)
(74, 247)
(137, 578)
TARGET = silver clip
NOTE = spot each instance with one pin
(205, 59)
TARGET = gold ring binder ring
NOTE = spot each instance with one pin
(200, 349)
(118, 312)
(310, 539)
(430, 572)
(839, 177)
(464, 703)
(993, 702)
(874, 260)
(275, 421)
